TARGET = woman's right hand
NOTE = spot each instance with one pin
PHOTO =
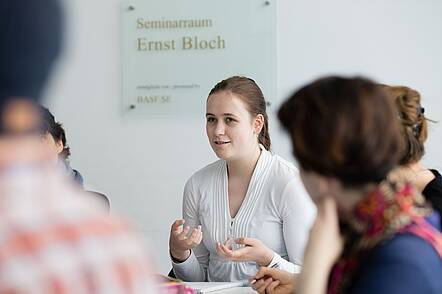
(180, 242)
(273, 281)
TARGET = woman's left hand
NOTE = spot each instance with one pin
(253, 250)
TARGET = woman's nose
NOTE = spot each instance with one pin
(219, 129)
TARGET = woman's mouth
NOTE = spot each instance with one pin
(218, 142)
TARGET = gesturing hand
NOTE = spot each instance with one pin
(180, 242)
(273, 281)
(254, 250)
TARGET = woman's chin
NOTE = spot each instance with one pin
(222, 154)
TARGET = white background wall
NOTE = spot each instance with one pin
(143, 163)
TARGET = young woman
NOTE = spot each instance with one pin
(371, 235)
(54, 137)
(415, 132)
(247, 209)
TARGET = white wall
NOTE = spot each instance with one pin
(142, 163)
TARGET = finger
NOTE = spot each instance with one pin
(200, 238)
(263, 271)
(246, 241)
(195, 233)
(219, 249)
(258, 284)
(271, 288)
(240, 254)
(228, 243)
(236, 255)
(223, 250)
(184, 233)
(191, 240)
(228, 253)
(177, 225)
(266, 283)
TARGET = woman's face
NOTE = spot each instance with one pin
(319, 187)
(54, 147)
(231, 130)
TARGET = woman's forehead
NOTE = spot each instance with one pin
(226, 103)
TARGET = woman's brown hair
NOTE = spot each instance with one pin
(248, 91)
(344, 128)
(414, 123)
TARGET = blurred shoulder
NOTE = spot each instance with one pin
(404, 264)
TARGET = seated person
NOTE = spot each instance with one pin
(415, 132)
(372, 234)
(100, 197)
(51, 240)
(55, 138)
(247, 209)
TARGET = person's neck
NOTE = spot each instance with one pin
(416, 167)
(244, 166)
(415, 172)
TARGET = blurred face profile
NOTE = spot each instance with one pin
(19, 141)
(54, 147)
(20, 117)
(311, 183)
(229, 126)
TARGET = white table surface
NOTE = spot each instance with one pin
(236, 290)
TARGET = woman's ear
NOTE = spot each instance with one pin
(59, 146)
(258, 123)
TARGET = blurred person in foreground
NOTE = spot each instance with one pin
(52, 240)
(371, 234)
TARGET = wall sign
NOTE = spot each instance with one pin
(175, 51)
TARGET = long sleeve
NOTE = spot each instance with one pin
(405, 264)
(195, 267)
(298, 213)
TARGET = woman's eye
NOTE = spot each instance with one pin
(210, 119)
(228, 119)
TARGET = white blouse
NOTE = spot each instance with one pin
(276, 210)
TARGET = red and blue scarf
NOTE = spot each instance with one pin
(386, 211)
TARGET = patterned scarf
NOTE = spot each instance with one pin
(390, 209)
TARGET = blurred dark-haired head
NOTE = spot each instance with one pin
(49, 126)
(30, 38)
(344, 128)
